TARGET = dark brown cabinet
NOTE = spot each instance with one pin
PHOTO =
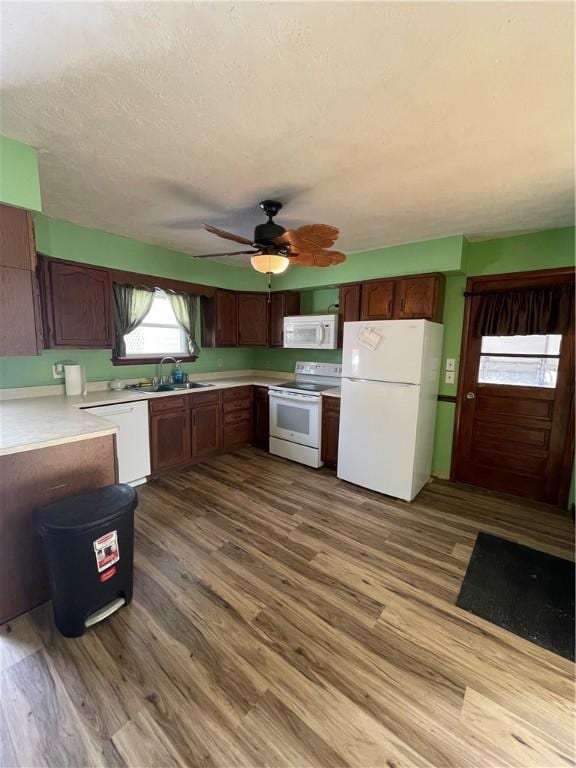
(348, 306)
(404, 298)
(261, 418)
(16, 238)
(20, 327)
(420, 297)
(220, 320)
(188, 428)
(170, 443)
(330, 430)
(246, 319)
(77, 305)
(237, 427)
(20, 315)
(282, 305)
(252, 319)
(377, 300)
(206, 424)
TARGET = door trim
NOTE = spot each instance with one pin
(507, 281)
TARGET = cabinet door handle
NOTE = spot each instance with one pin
(55, 487)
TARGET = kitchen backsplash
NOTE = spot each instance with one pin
(37, 371)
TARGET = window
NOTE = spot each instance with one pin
(159, 334)
(522, 361)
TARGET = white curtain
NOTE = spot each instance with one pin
(185, 308)
(131, 305)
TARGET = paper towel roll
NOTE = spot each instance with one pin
(74, 380)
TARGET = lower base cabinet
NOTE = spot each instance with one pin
(206, 431)
(30, 480)
(188, 428)
(330, 430)
(261, 418)
(169, 433)
(237, 417)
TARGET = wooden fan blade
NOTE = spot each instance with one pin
(309, 238)
(317, 258)
(229, 253)
(227, 235)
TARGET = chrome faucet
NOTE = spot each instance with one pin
(159, 369)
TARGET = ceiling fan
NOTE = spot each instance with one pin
(275, 248)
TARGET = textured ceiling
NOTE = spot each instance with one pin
(394, 121)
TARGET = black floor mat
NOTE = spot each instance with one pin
(527, 592)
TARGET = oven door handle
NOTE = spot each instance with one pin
(293, 398)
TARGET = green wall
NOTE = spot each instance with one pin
(443, 255)
(19, 178)
(37, 371)
(64, 240)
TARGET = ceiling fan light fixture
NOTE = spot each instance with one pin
(270, 263)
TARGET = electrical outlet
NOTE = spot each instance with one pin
(450, 364)
(449, 378)
(58, 371)
(220, 362)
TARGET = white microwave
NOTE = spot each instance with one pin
(311, 332)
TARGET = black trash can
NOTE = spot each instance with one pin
(89, 547)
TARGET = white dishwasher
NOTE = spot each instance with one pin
(132, 439)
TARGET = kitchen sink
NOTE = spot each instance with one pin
(150, 389)
(191, 385)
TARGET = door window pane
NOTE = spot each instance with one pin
(518, 371)
(522, 345)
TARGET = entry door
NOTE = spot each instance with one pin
(515, 412)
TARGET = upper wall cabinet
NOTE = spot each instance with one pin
(403, 298)
(282, 304)
(348, 306)
(20, 316)
(252, 320)
(246, 319)
(420, 297)
(17, 247)
(77, 305)
(219, 320)
(378, 300)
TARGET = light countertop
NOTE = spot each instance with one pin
(28, 423)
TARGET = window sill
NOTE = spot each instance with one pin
(149, 360)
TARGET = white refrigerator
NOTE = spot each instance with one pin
(390, 373)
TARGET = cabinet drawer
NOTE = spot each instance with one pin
(237, 405)
(168, 404)
(331, 404)
(198, 399)
(236, 393)
(237, 417)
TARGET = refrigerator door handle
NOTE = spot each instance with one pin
(375, 381)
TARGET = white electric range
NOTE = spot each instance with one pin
(296, 412)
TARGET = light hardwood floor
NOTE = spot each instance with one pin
(284, 618)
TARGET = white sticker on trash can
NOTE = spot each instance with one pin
(106, 550)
